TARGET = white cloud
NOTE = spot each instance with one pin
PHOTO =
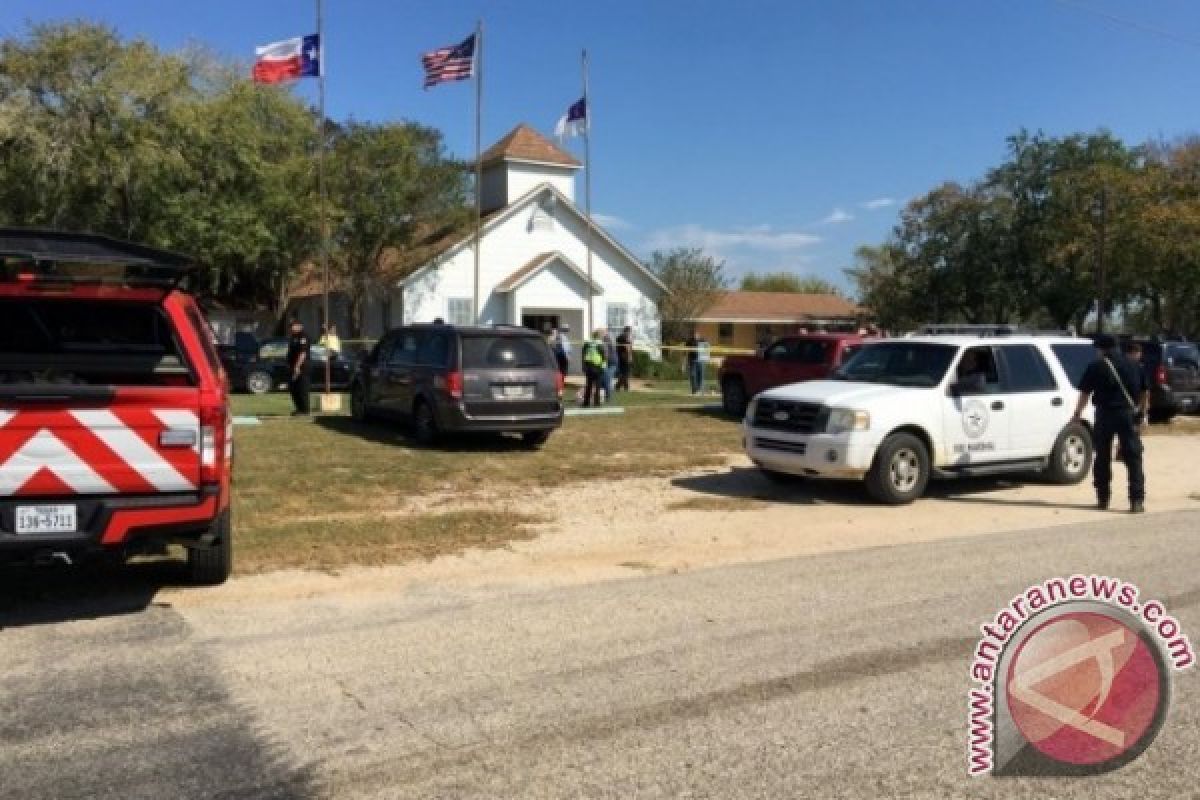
(611, 221)
(837, 216)
(756, 237)
(877, 203)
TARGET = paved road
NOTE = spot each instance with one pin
(834, 676)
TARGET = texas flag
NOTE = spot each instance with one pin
(287, 60)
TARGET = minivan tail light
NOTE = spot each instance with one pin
(1160, 375)
(560, 383)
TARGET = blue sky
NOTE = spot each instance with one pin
(776, 134)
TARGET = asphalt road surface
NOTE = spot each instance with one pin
(842, 675)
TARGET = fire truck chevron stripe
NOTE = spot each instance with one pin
(45, 451)
(134, 450)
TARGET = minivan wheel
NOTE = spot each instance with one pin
(900, 471)
(733, 396)
(211, 565)
(259, 382)
(425, 429)
(1071, 457)
(534, 439)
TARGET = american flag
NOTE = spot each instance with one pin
(454, 63)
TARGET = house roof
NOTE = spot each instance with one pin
(433, 256)
(539, 263)
(779, 307)
(523, 143)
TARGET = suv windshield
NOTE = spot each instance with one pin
(899, 364)
(505, 352)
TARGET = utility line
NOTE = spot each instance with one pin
(1129, 23)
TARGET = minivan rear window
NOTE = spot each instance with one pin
(1074, 359)
(505, 352)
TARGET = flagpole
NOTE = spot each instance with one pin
(478, 157)
(587, 190)
(322, 212)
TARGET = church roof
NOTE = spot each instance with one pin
(778, 307)
(523, 143)
(539, 263)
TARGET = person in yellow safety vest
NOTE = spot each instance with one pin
(593, 369)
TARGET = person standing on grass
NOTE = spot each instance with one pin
(624, 358)
(330, 341)
(297, 361)
(610, 365)
(702, 352)
(593, 369)
(692, 346)
(562, 348)
(1118, 389)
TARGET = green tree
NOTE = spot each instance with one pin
(389, 184)
(175, 150)
(694, 282)
(787, 282)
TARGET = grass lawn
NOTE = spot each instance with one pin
(323, 492)
(279, 404)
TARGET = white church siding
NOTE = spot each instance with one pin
(534, 258)
(544, 223)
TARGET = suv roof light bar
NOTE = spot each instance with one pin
(68, 258)
(989, 330)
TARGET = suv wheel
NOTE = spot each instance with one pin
(901, 470)
(259, 382)
(1071, 457)
(425, 429)
(358, 404)
(211, 565)
(733, 396)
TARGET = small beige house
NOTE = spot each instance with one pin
(743, 320)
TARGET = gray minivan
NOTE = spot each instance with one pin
(451, 379)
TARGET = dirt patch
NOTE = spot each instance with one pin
(717, 504)
(371, 540)
(604, 529)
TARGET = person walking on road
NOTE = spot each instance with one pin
(1117, 387)
(592, 354)
(297, 361)
(624, 358)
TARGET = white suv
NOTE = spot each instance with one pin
(903, 410)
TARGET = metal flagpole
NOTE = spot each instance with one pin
(322, 210)
(478, 157)
(587, 191)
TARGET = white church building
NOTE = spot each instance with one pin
(532, 264)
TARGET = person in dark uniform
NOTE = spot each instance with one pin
(624, 358)
(297, 360)
(1117, 387)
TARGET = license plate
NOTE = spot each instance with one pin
(46, 519)
(514, 392)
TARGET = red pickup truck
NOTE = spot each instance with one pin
(115, 434)
(790, 359)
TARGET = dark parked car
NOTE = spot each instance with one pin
(447, 379)
(261, 367)
(1174, 372)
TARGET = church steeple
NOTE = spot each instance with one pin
(522, 160)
